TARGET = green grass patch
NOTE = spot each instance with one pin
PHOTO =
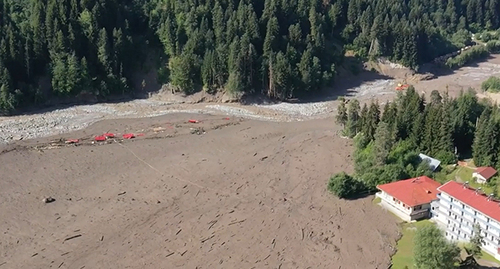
(487, 257)
(404, 254)
(462, 174)
(376, 200)
(484, 255)
(492, 84)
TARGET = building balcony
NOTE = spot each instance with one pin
(457, 209)
(420, 212)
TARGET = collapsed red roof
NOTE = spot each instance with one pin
(486, 172)
(469, 196)
(413, 191)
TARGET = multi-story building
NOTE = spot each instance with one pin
(410, 199)
(459, 207)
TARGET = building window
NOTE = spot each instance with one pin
(463, 206)
(451, 207)
(475, 213)
(488, 220)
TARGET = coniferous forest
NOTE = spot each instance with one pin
(278, 48)
(388, 140)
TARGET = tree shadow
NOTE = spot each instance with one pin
(65, 103)
(360, 196)
(438, 70)
(347, 84)
(143, 83)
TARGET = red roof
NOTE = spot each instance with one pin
(486, 172)
(475, 200)
(413, 191)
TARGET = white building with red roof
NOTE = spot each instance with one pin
(410, 199)
(459, 207)
(483, 174)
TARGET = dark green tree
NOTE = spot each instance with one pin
(432, 250)
(341, 117)
(476, 242)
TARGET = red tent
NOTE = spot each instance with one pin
(128, 136)
(109, 135)
(100, 138)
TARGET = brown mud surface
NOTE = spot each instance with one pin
(220, 193)
(245, 187)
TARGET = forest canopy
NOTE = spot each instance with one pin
(278, 48)
(388, 140)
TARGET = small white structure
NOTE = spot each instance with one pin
(483, 174)
(409, 199)
(433, 163)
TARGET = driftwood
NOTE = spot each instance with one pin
(208, 238)
(72, 237)
(236, 222)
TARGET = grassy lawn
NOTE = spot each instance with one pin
(484, 255)
(488, 257)
(404, 254)
(376, 200)
(463, 174)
